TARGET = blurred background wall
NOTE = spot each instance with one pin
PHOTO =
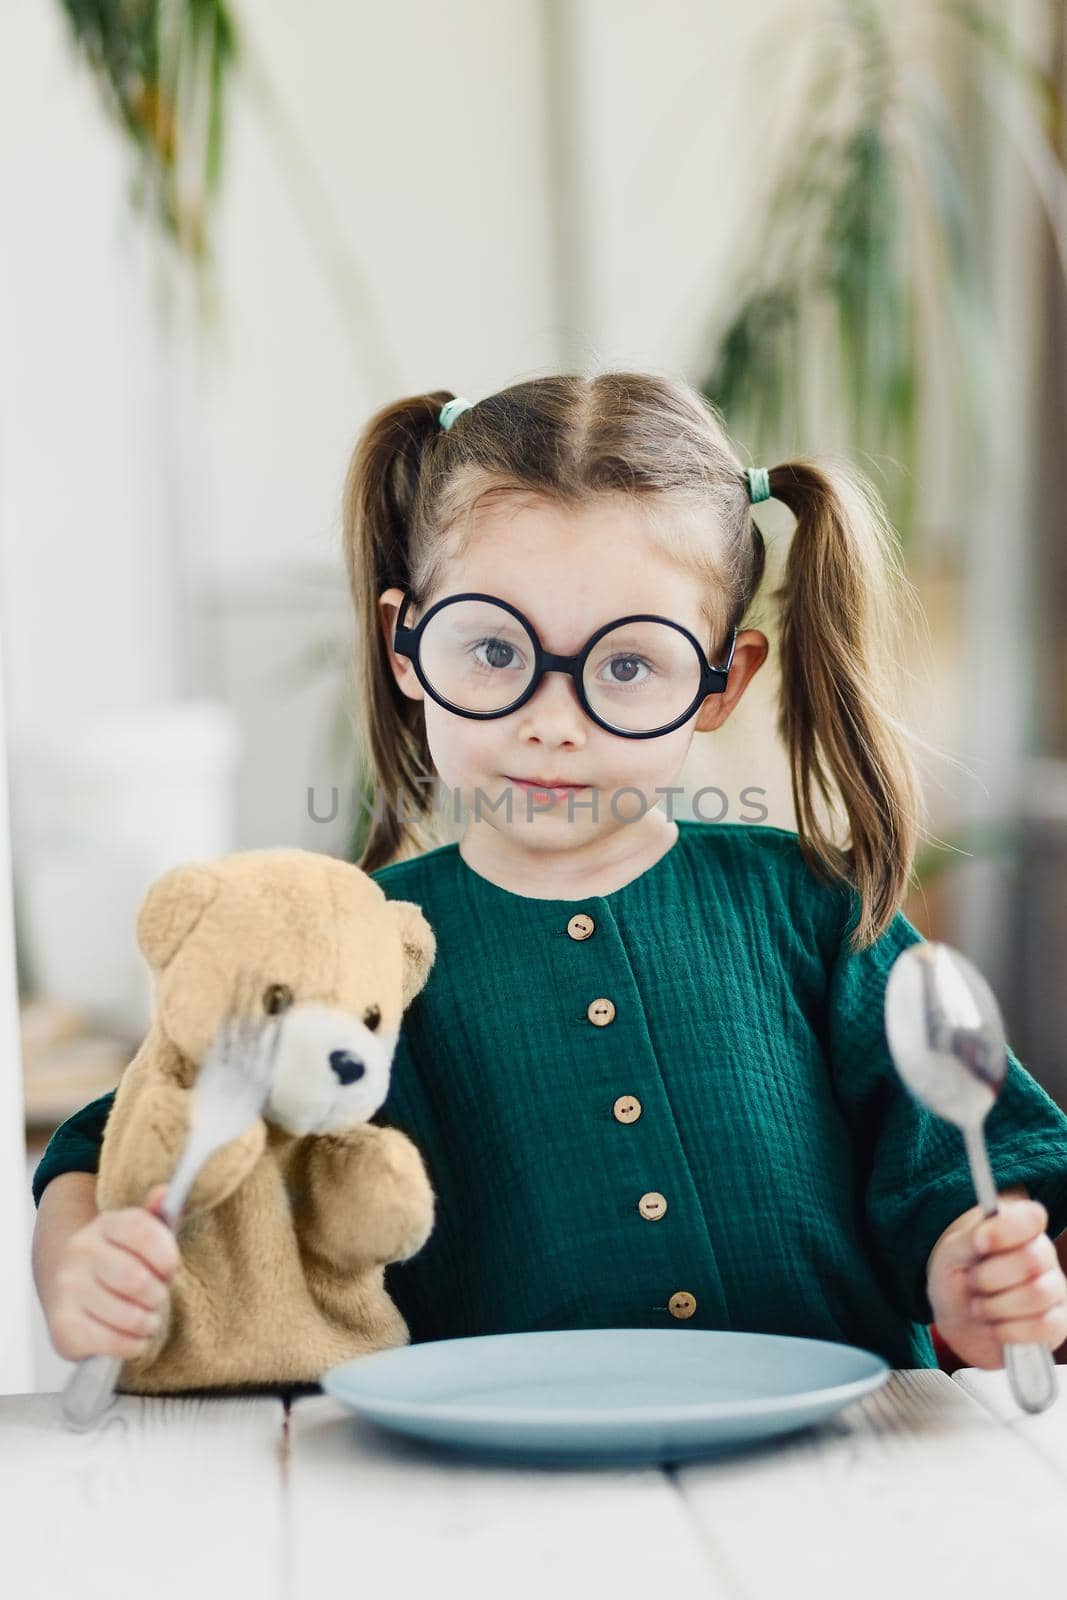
(463, 195)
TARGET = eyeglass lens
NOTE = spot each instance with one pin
(637, 677)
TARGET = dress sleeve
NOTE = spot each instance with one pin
(913, 1176)
(75, 1145)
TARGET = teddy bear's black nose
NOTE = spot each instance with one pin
(347, 1068)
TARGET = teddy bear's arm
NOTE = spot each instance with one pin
(365, 1198)
(144, 1136)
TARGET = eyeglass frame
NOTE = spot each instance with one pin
(406, 642)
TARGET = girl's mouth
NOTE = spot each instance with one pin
(559, 791)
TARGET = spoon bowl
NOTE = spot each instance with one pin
(946, 1037)
(945, 1032)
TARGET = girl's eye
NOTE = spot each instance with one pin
(500, 654)
(372, 1016)
(277, 997)
(630, 666)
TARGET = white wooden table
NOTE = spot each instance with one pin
(931, 1486)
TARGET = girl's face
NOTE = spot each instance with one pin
(569, 573)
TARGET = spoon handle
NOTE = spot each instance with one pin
(1032, 1375)
(1030, 1367)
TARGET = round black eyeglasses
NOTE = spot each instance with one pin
(479, 657)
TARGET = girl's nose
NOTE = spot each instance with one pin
(554, 713)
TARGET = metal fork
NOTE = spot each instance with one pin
(228, 1094)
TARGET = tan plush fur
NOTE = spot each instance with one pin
(287, 1228)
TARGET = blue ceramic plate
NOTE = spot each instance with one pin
(605, 1394)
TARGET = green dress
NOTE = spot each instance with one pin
(671, 1106)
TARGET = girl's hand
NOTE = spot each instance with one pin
(112, 1285)
(997, 1280)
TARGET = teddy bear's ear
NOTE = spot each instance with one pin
(171, 909)
(419, 943)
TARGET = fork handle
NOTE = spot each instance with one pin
(89, 1390)
(185, 1173)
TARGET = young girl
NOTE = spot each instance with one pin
(648, 1073)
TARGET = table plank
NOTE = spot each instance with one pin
(914, 1489)
(1044, 1432)
(370, 1508)
(173, 1497)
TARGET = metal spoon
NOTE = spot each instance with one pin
(946, 1037)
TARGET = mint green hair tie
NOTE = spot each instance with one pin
(451, 410)
(759, 484)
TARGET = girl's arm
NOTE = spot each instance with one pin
(917, 1183)
(67, 1204)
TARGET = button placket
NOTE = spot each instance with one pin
(611, 964)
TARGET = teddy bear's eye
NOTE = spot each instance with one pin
(372, 1016)
(277, 997)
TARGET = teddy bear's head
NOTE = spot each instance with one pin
(334, 961)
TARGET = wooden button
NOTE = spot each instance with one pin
(682, 1304)
(580, 926)
(627, 1108)
(600, 1012)
(652, 1205)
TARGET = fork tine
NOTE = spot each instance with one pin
(278, 1022)
(246, 1023)
(252, 1026)
(244, 1030)
(246, 1012)
(226, 1037)
(233, 1011)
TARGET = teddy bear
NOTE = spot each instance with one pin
(287, 1229)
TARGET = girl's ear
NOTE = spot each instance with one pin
(389, 604)
(750, 652)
